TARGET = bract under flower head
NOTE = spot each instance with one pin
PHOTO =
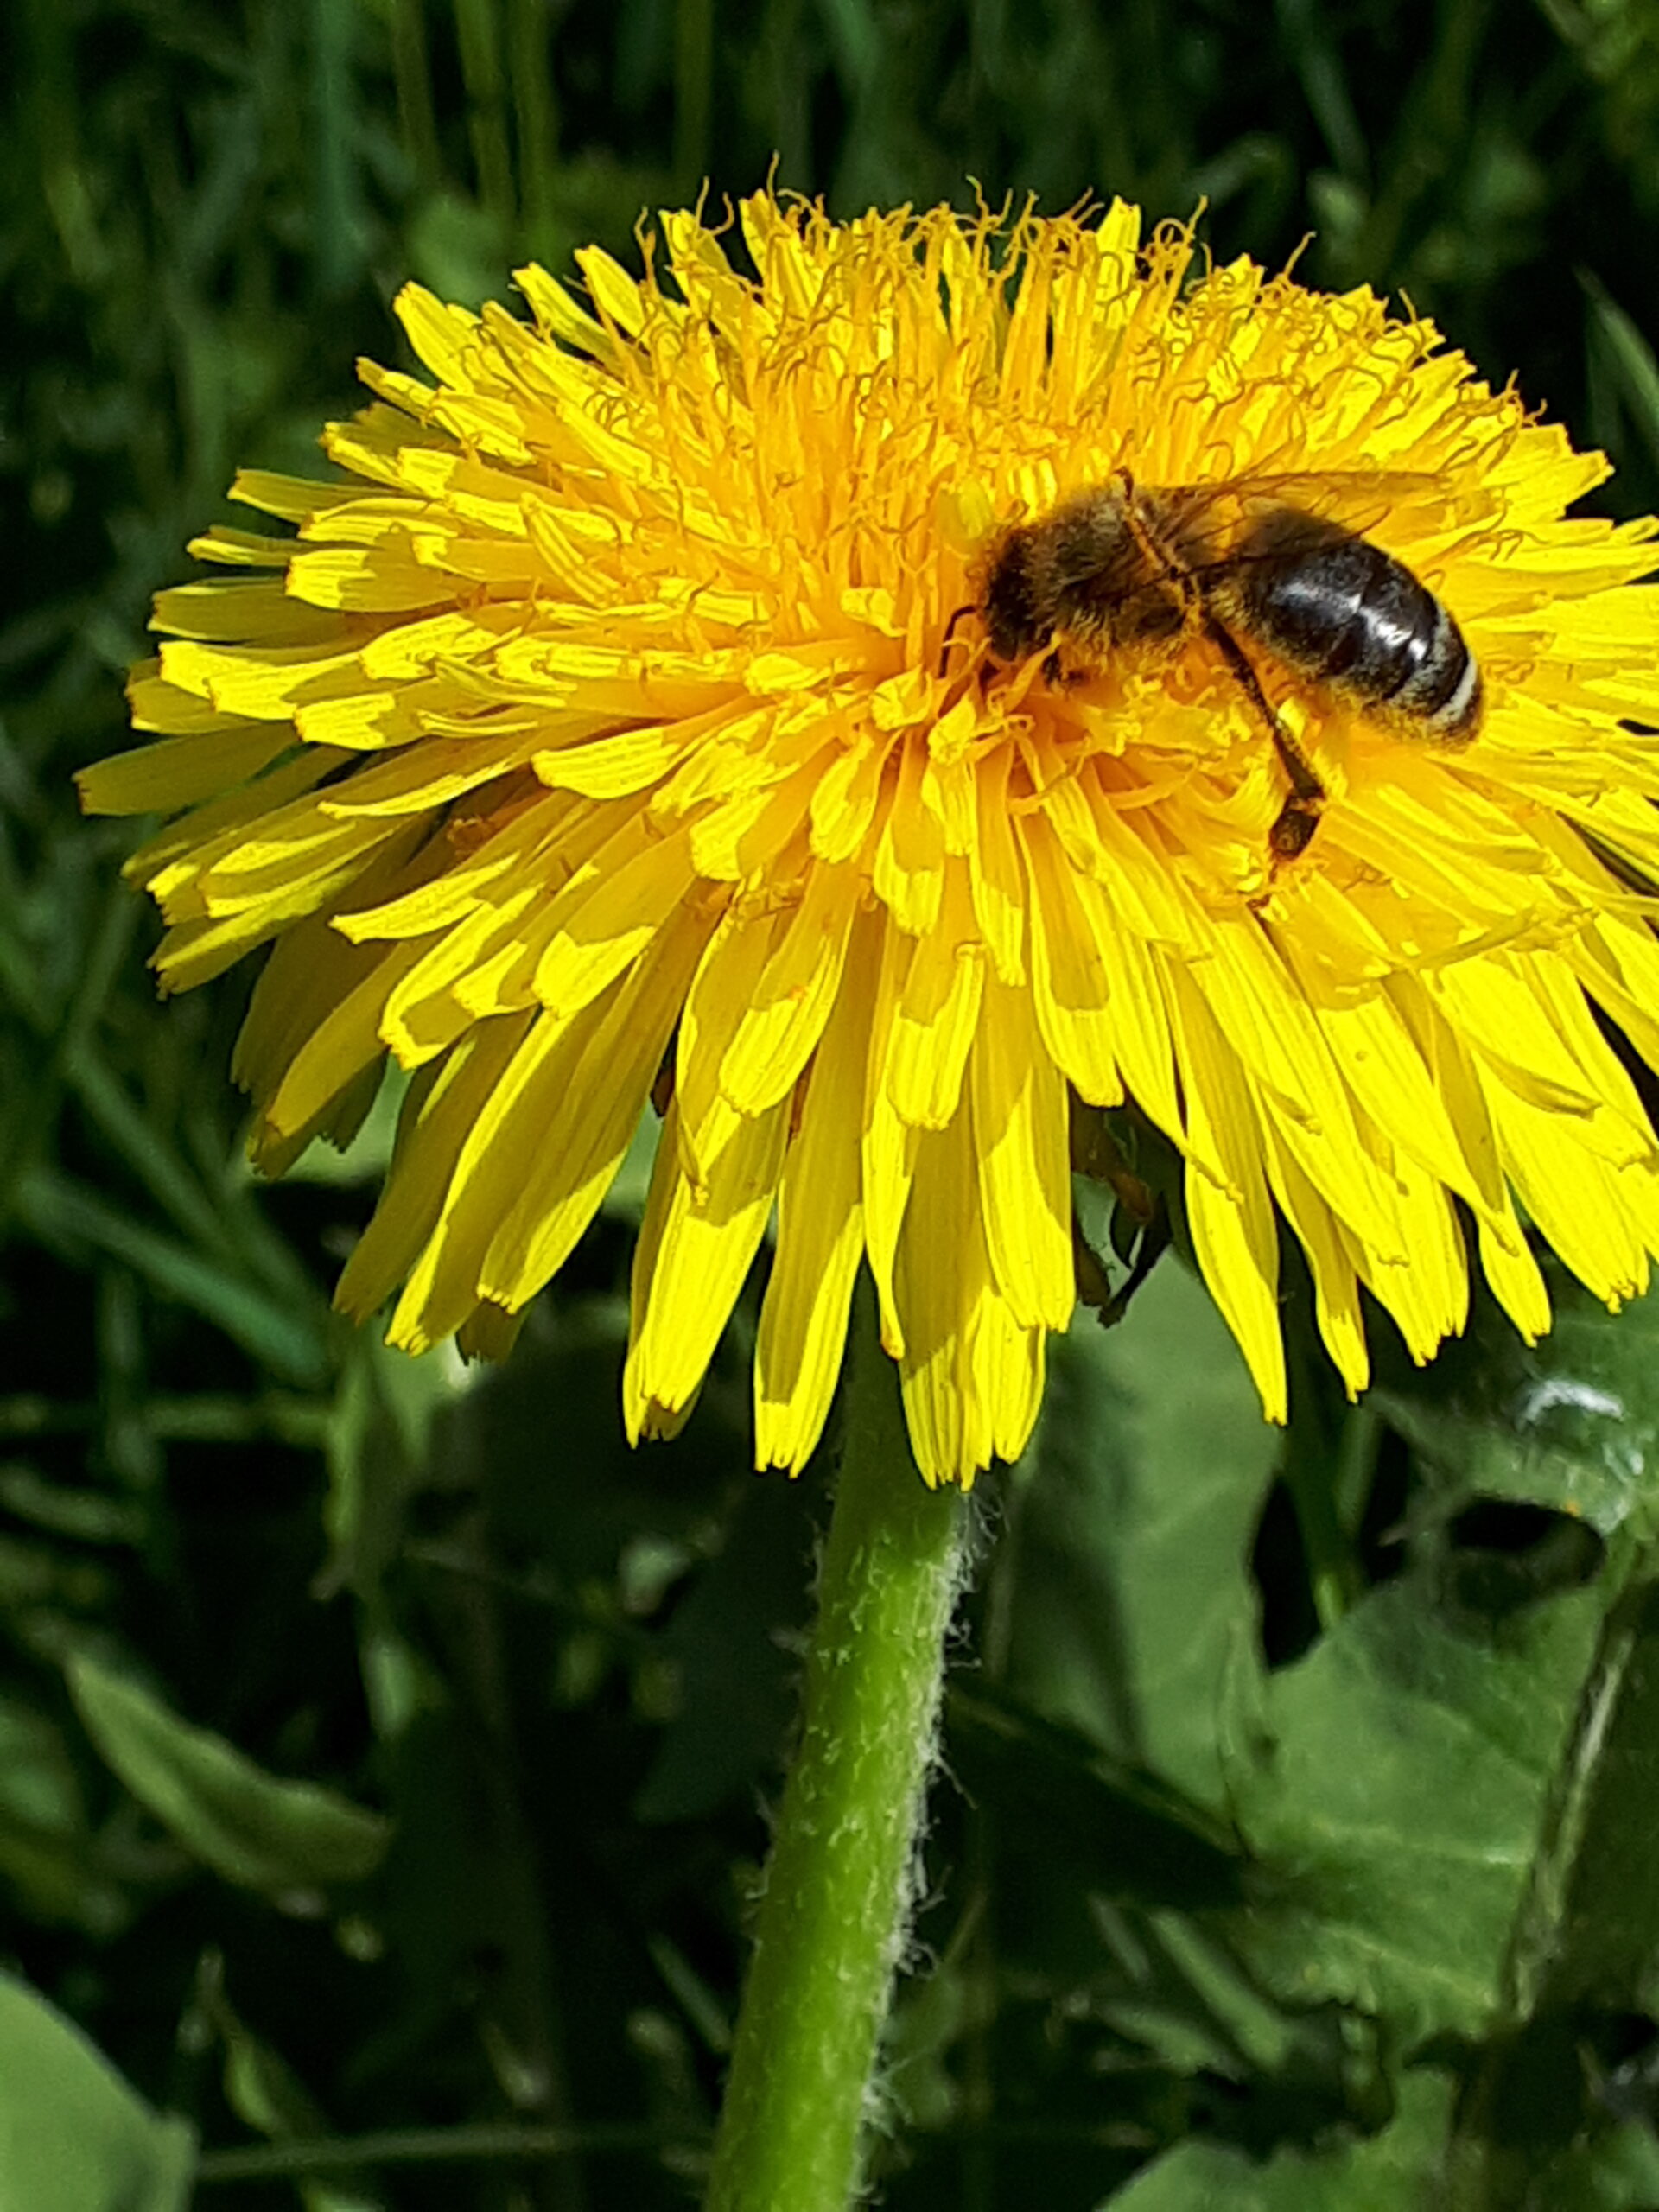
(601, 712)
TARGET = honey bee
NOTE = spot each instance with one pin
(1121, 566)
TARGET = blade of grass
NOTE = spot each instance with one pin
(69, 1216)
(478, 28)
(694, 71)
(337, 228)
(412, 75)
(536, 114)
(1628, 357)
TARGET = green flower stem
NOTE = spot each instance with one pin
(841, 1878)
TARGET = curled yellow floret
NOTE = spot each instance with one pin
(610, 713)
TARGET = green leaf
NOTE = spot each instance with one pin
(74, 2137)
(1570, 1423)
(85, 1515)
(1134, 1615)
(254, 1829)
(47, 1853)
(1591, 1934)
(1617, 2172)
(1392, 2172)
(1399, 1811)
(1588, 1938)
(261, 2089)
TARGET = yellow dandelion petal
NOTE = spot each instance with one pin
(696, 1244)
(193, 769)
(781, 1024)
(970, 1371)
(1233, 1228)
(1427, 1299)
(820, 1237)
(1336, 1277)
(1019, 1126)
(838, 695)
(604, 1073)
(443, 1101)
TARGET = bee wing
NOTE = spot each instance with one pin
(1361, 499)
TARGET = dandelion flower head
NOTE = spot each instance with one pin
(606, 722)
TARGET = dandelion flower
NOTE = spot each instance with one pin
(607, 720)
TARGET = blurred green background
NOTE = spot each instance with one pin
(383, 1748)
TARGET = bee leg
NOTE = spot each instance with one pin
(950, 634)
(1292, 828)
(1064, 672)
(1298, 819)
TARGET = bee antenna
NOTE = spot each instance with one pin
(950, 631)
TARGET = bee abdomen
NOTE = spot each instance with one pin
(1346, 613)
